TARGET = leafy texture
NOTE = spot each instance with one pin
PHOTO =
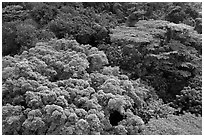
(108, 68)
(147, 51)
(56, 94)
(174, 125)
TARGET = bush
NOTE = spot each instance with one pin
(44, 35)
(43, 14)
(14, 13)
(26, 35)
(9, 45)
(59, 27)
(189, 100)
(58, 96)
(155, 108)
(22, 35)
(176, 15)
(191, 11)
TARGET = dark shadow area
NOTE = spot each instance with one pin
(115, 117)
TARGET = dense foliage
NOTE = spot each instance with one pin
(88, 23)
(168, 65)
(49, 91)
(75, 68)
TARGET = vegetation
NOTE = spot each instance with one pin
(174, 125)
(76, 68)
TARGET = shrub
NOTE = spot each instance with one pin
(176, 15)
(14, 13)
(44, 35)
(58, 96)
(9, 45)
(26, 35)
(43, 13)
(189, 100)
